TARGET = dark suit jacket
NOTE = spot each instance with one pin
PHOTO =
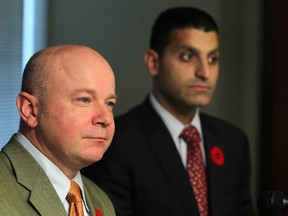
(26, 190)
(144, 176)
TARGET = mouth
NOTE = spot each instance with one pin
(102, 139)
(200, 88)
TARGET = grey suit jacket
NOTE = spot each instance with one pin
(26, 190)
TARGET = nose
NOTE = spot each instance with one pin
(103, 115)
(203, 70)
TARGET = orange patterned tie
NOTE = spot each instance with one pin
(196, 168)
(75, 200)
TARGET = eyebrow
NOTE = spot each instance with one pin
(195, 50)
(93, 92)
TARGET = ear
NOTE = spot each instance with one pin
(152, 62)
(28, 108)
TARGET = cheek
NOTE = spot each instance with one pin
(213, 81)
(169, 77)
(215, 74)
(65, 125)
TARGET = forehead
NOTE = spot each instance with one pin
(196, 38)
(89, 71)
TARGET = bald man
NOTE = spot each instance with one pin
(66, 109)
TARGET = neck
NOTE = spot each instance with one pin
(182, 113)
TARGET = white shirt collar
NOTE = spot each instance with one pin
(57, 178)
(173, 124)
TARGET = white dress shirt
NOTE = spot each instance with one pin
(57, 178)
(175, 128)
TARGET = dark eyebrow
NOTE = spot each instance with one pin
(195, 50)
(217, 50)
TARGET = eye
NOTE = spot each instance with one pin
(111, 103)
(84, 100)
(213, 59)
(187, 57)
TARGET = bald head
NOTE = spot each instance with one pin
(52, 60)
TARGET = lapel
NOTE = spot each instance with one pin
(31, 176)
(160, 140)
(215, 173)
(92, 202)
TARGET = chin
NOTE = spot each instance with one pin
(202, 103)
(92, 159)
(94, 155)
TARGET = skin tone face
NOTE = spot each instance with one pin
(75, 126)
(185, 76)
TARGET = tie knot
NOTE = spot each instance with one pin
(74, 193)
(190, 134)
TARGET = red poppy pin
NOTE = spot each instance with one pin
(98, 212)
(217, 156)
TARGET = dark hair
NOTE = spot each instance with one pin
(176, 18)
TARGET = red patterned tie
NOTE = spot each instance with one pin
(75, 199)
(196, 168)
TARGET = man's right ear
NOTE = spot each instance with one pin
(152, 62)
(28, 108)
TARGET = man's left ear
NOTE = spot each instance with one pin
(152, 62)
(28, 108)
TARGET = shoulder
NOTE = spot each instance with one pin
(215, 124)
(129, 116)
(226, 134)
(138, 118)
(10, 188)
(231, 139)
(6, 170)
(136, 112)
